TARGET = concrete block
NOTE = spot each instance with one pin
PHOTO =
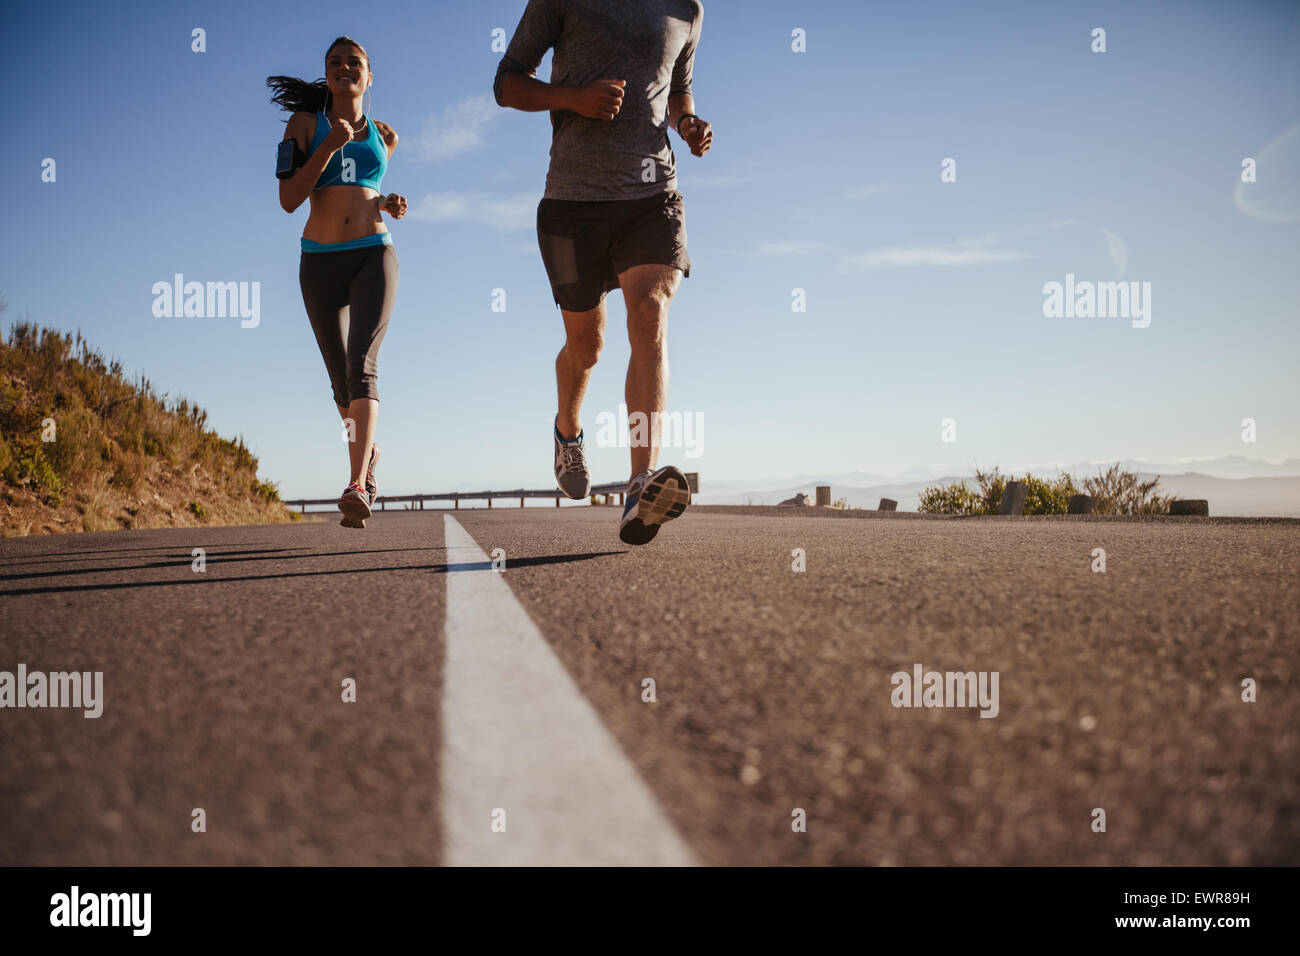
(1082, 505)
(1013, 498)
(823, 496)
(887, 504)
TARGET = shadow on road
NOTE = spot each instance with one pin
(211, 557)
(182, 558)
(20, 557)
(203, 578)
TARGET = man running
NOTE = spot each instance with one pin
(611, 216)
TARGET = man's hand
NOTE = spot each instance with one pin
(697, 134)
(600, 100)
(394, 205)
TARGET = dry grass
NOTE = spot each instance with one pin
(82, 447)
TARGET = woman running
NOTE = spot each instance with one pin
(336, 155)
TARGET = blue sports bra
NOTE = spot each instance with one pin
(356, 164)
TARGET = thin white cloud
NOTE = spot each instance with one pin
(1063, 222)
(508, 213)
(1118, 251)
(457, 129)
(971, 252)
(787, 248)
(721, 181)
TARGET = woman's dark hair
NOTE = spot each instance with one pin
(295, 95)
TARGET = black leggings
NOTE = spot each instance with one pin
(349, 297)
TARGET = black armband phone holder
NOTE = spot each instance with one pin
(289, 158)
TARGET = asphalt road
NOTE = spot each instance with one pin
(222, 690)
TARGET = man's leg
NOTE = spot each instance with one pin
(584, 336)
(647, 290)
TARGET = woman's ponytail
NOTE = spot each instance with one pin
(299, 96)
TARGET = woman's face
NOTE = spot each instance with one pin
(347, 72)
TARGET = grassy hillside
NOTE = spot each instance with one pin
(82, 448)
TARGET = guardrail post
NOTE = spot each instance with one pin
(489, 504)
(557, 501)
(521, 501)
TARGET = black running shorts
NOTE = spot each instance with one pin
(586, 245)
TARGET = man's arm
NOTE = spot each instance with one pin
(517, 86)
(681, 103)
(523, 92)
(600, 100)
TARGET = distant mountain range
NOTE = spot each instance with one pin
(1233, 485)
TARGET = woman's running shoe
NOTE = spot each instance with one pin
(355, 505)
(372, 489)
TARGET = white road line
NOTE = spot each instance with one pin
(518, 735)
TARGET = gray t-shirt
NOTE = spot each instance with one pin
(648, 43)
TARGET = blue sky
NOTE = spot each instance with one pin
(924, 298)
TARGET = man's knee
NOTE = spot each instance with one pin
(647, 300)
(652, 293)
(583, 346)
(647, 319)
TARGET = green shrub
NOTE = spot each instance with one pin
(267, 489)
(1119, 492)
(199, 511)
(954, 499)
(29, 467)
(77, 446)
(1044, 497)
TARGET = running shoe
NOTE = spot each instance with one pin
(652, 499)
(355, 505)
(571, 472)
(372, 489)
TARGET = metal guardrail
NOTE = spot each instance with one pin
(610, 490)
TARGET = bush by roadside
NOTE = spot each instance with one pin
(84, 448)
(1117, 492)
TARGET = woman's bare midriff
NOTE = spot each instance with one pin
(342, 213)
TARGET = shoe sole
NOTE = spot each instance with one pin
(664, 498)
(355, 512)
(569, 494)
